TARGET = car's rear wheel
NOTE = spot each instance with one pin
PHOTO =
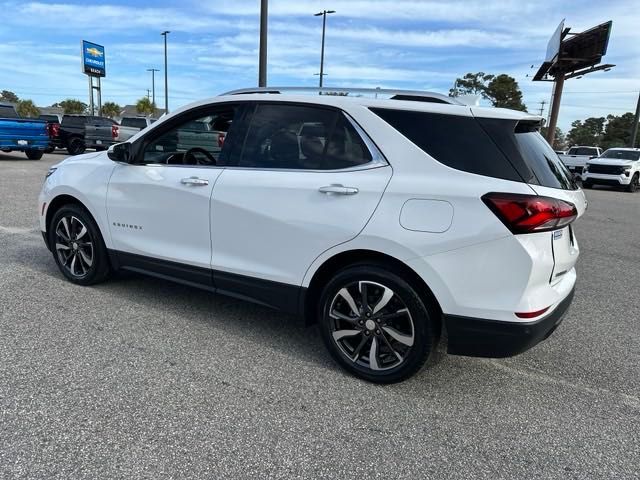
(375, 324)
(77, 246)
(76, 146)
(634, 184)
(34, 154)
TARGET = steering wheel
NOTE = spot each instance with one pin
(190, 154)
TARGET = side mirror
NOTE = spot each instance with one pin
(120, 152)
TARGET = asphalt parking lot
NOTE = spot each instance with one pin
(141, 378)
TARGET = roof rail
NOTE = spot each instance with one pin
(415, 95)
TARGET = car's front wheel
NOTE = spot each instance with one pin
(634, 184)
(77, 246)
(375, 324)
(76, 146)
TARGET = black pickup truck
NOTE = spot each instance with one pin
(72, 131)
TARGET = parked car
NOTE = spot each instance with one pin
(129, 126)
(72, 131)
(53, 129)
(617, 166)
(387, 223)
(577, 157)
(22, 134)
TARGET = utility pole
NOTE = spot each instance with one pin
(153, 83)
(166, 76)
(542, 104)
(148, 94)
(262, 60)
(634, 130)
(558, 85)
(324, 14)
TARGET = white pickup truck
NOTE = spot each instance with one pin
(129, 126)
(617, 166)
(576, 158)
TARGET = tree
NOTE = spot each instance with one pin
(588, 132)
(560, 141)
(27, 109)
(503, 91)
(144, 106)
(8, 96)
(71, 106)
(617, 132)
(471, 84)
(111, 109)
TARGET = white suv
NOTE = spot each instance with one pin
(617, 166)
(389, 223)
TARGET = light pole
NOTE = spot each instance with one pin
(166, 84)
(153, 83)
(262, 60)
(324, 14)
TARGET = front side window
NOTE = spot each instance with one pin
(195, 141)
(300, 137)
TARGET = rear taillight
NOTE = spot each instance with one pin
(114, 131)
(54, 129)
(221, 139)
(530, 213)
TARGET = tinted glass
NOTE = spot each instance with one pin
(197, 141)
(583, 151)
(134, 122)
(458, 142)
(73, 121)
(7, 112)
(543, 161)
(301, 137)
(621, 154)
(49, 118)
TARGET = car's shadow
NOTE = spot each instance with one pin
(286, 334)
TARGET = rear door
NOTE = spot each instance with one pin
(289, 193)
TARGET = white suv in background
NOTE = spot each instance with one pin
(617, 166)
(388, 223)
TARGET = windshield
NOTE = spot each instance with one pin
(134, 122)
(622, 154)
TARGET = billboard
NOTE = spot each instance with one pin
(93, 61)
(553, 47)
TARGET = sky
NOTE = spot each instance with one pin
(409, 44)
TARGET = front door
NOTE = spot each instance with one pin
(158, 206)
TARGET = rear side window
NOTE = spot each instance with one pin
(300, 137)
(73, 121)
(458, 142)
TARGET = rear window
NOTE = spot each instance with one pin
(622, 154)
(583, 151)
(134, 122)
(49, 118)
(7, 112)
(73, 121)
(458, 142)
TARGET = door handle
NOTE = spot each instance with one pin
(195, 181)
(338, 189)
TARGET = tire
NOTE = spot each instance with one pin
(395, 318)
(80, 255)
(633, 185)
(34, 154)
(587, 184)
(76, 146)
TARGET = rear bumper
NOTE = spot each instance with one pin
(477, 337)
